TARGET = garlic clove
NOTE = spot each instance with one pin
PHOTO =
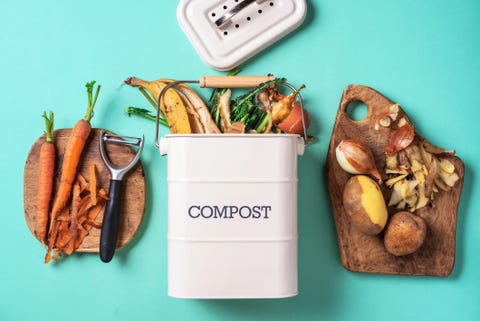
(355, 157)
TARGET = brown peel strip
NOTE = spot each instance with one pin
(432, 149)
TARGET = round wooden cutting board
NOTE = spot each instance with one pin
(133, 185)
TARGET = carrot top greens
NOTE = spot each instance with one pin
(91, 99)
(48, 126)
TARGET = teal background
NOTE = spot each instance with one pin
(421, 54)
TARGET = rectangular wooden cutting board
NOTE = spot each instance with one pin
(363, 253)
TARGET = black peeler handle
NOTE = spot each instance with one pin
(111, 218)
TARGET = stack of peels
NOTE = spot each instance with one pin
(416, 170)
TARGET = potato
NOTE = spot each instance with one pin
(364, 204)
(405, 233)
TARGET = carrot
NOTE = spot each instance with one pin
(71, 158)
(46, 165)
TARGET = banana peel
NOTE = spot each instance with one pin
(184, 109)
(200, 110)
(172, 105)
(193, 117)
(200, 118)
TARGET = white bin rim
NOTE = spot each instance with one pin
(300, 141)
(252, 135)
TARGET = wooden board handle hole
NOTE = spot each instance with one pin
(356, 110)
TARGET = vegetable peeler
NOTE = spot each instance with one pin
(109, 232)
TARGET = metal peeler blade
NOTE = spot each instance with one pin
(111, 218)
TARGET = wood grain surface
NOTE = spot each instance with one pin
(362, 253)
(133, 193)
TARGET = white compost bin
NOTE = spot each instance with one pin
(232, 215)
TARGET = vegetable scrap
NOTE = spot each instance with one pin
(417, 172)
(75, 221)
(400, 139)
(416, 169)
(262, 109)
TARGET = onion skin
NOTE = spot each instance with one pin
(293, 124)
(400, 139)
(354, 157)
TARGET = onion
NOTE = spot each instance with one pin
(355, 157)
